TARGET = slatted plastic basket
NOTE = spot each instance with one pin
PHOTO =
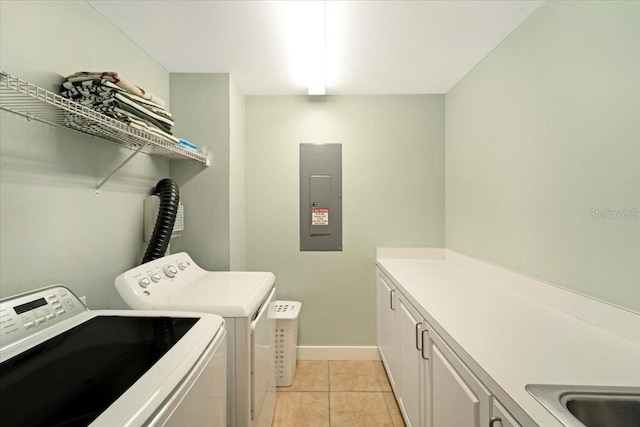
(286, 340)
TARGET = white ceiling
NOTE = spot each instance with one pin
(372, 47)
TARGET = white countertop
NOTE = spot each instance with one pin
(515, 339)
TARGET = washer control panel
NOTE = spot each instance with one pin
(145, 286)
(29, 313)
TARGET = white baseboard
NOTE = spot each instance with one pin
(337, 353)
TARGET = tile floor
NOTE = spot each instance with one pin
(337, 393)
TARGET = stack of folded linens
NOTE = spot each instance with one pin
(110, 94)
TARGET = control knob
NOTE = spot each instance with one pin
(170, 271)
(144, 282)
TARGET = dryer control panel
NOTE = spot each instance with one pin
(149, 284)
(26, 314)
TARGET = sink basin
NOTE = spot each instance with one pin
(605, 410)
(590, 406)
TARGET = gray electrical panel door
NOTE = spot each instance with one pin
(320, 197)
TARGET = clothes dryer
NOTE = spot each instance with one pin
(246, 302)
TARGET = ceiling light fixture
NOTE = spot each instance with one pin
(318, 57)
(304, 25)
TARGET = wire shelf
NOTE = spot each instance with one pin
(36, 103)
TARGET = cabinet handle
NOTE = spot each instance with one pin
(391, 298)
(418, 341)
(494, 420)
(424, 347)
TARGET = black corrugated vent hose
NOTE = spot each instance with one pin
(169, 194)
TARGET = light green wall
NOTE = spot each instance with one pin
(392, 154)
(201, 111)
(539, 135)
(209, 108)
(543, 137)
(237, 203)
(52, 227)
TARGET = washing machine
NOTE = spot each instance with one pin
(64, 365)
(246, 302)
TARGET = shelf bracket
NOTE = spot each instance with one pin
(108, 177)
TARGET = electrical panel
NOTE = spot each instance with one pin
(320, 197)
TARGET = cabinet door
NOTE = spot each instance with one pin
(458, 398)
(501, 417)
(388, 336)
(412, 366)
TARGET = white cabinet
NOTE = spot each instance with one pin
(501, 417)
(413, 367)
(400, 343)
(387, 330)
(432, 385)
(459, 399)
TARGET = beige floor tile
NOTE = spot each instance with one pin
(394, 411)
(297, 409)
(353, 375)
(357, 409)
(382, 377)
(311, 375)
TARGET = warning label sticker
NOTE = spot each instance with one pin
(319, 216)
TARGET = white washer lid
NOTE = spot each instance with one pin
(225, 293)
(147, 395)
(151, 391)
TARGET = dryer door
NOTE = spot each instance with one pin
(263, 378)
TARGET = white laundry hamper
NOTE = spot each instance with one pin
(286, 340)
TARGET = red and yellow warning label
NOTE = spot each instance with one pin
(319, 216)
